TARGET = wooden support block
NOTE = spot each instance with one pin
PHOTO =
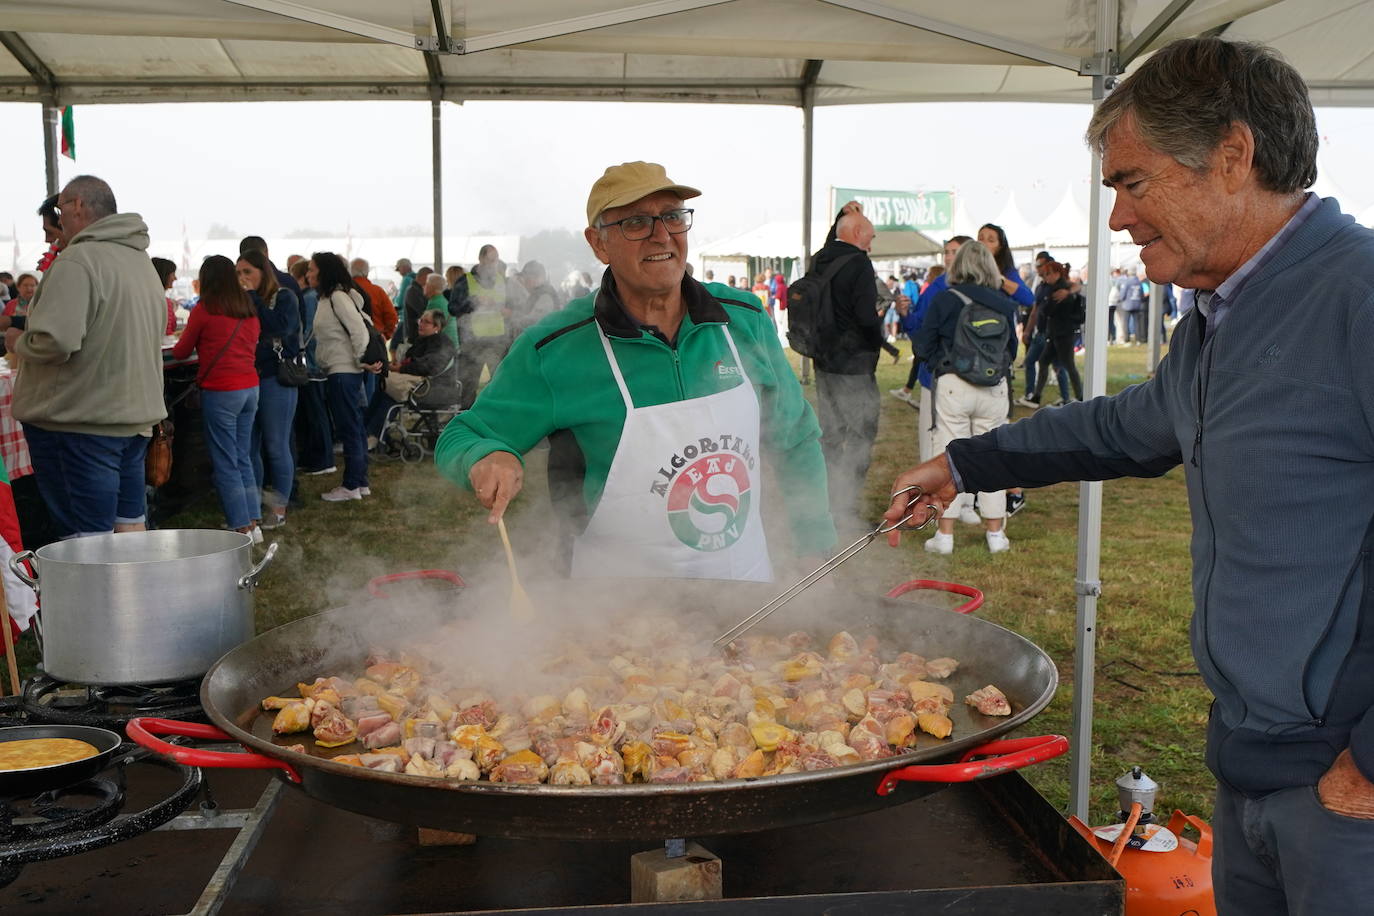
(656, 877)
(431, 837)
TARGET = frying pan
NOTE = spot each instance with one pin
(40, 779)
(336, 641)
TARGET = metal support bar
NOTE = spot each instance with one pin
(808, 106)
(1152, 31)
(216, 892)
(973, 36)
(440, 27)
(50, 148)
(637, 13)
(437, 166)
(336, 21)
(42, 75)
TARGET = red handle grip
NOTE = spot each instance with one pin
(141, 732)
(1204, 840)
(374, 587)
(1008, 754)
(968, 591)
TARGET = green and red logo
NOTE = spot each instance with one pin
(708, 503)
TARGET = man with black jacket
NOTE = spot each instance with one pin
(846, 382)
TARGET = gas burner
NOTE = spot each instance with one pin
(88, 815)
(50, 701)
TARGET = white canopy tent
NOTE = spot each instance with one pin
(787, 52)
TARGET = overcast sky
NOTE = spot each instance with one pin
(519, 167)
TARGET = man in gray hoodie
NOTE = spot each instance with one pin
(1266, 399)
(89, 383)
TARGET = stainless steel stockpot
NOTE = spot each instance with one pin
(142, 607)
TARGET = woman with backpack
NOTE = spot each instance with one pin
(341, 339)
(223, 331)
(968, 338)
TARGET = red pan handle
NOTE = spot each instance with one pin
(1015, 753)
(376, 590)
(968, 591)
(141, 732)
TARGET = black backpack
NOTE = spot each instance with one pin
(979, 353)
(810, 314)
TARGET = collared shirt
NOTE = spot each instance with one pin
(1216, 304)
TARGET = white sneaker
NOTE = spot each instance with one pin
(366, 491)
(1027, 402)
(941, 543)
(329, 470)
(969, 516)
(256, 535)
(901, 394)
(998, 542)
(341, 494)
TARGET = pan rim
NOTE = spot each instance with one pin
(8, 734)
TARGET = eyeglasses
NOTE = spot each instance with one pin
(637, 228)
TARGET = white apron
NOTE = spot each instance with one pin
(684, 495)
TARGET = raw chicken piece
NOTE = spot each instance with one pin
(385, 763)
(521, 767)
(941, 668)
(989, 701)
(334, 729)
(292, 718)
(388, 734)
(868, 739)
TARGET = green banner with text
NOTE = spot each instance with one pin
(924, 211)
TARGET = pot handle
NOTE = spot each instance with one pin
(968, 591)
(1015, 753)
(376, 590)
(250, 579)
(17, 562)
(142, 730)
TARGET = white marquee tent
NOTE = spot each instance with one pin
(787, 52)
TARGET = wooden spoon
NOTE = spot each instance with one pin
(521, 607)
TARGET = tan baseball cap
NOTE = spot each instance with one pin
(628, 182)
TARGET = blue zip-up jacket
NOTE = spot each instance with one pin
(941, 322)
(917, 314)
(1272, 418)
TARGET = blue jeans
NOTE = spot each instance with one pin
(1037, 346)
(344, 391)
(90, 483)
(272, 436)
(228, 417)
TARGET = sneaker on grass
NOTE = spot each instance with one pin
(901, 394)
(1015, 503)
(940, 543)
(318, 471)
(998, 542)
(1028, 401)
(341, 494)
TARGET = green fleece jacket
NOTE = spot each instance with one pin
(91, 356)
(556, 382)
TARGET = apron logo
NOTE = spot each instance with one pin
(722, 369)
(708, 503)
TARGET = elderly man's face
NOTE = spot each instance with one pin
(1179, 218)
(74, 213)
(651, 266)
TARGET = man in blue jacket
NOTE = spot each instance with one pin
(1266, 399)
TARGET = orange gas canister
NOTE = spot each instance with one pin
(1166, 873)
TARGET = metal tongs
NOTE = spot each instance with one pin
(810, 579)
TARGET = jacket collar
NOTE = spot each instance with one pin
(702, 308)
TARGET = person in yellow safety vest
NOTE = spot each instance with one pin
(486, 329)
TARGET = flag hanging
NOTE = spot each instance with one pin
(68, 133)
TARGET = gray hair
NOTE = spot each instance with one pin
(434, 281)
(1190, 92)
(359, 267)
(974, 264)
(436, 317)
(95, 194)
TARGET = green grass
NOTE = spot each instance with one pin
(1150, 705)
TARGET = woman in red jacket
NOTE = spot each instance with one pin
(223, 330)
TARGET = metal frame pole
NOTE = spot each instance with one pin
(1087, 585)
(50, 147)
(436, 141)
(808, 151)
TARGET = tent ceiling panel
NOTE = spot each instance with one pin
(752, 51)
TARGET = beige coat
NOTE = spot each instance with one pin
(340, 332)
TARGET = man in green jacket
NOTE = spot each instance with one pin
(90, 366)
(661, 397)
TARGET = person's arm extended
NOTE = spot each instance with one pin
(1021, 294)
(190, 334)
(59, 315)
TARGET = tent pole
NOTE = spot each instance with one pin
(436, 143)
(1087, 585)
(808, 144)
(50, 147)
